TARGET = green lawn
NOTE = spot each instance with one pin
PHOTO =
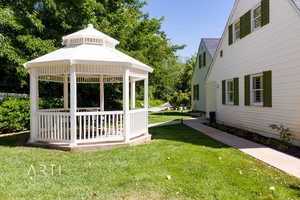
(166, 116)
(179, 163)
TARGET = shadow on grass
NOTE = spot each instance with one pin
(169, 114)
(14, 140)
(183, 133)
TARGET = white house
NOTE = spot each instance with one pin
(254, 79)
(205, 55)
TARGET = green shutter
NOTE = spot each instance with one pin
(267, 82)
(236, 91)
(204, 59)
(224, 92)
(265, 12)
(200, 61)
(230, 36)
(247, 90)
(245, 24)
(193, 92)
(198, 92)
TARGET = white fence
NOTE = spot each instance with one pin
(138, 122)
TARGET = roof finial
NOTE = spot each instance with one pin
(90, 26)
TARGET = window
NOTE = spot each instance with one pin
(221, 53)
(229, 91)
(257, 90)
(256, 18)
(237, 31)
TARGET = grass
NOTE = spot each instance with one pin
(166, 116)
(197, 167)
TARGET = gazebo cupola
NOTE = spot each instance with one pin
(88, 56)
(89, 35)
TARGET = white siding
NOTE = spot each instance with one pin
(274, 47)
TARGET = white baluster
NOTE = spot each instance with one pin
(89, 126)
(97, 125)
(80, 127)
(105, 126)
(84, 127)
(113, 124)
(93, 126)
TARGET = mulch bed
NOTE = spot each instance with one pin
(255, 137)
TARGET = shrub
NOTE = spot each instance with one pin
(48, 103)
(179, 99)
(14, 115)
(284, 134)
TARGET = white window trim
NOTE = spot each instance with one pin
(252, 90)
(226, 92)
(253, 29)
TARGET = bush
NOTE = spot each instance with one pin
(48, 103)
(180, 99)
(14, 115)
(140, 103)
(152, 103)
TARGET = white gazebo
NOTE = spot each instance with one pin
(88, 56)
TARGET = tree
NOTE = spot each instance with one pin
(184, 83)
(29, 29)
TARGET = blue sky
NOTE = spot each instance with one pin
(187, 21)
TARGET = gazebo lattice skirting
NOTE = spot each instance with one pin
(89, 56)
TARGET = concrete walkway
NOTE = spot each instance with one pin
(281, 161)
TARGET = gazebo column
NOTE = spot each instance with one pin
(126, 104)
(102, 94)
(132, 102)
(66, 92)
(146, 106)
(73, 106)
(33, 105)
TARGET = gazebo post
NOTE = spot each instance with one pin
(73, 107)
(102, 94)
(146, 106)
(66, 92)
(126, 104)
(33, 105)
(132, 94)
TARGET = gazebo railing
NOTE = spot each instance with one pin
(100, 126)
(138, 122)
(92, 125)
(53, 126)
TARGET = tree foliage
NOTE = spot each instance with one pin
(31, 28)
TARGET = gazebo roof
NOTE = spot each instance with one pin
(89, 46)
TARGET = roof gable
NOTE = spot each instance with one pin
(211, 45)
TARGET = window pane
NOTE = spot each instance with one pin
(257, 82)
(258, 96)
(257, 17)
(257, 12)
(237, 30)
